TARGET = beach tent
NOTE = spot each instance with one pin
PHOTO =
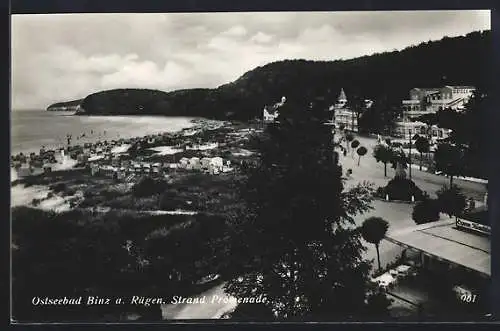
(47, 168)
(24, 171)
(217, 162)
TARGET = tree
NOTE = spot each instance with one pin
(449, 159)
(354, 144)
(356, 105)
(423, 146)
(349, 138)
(383, 153)
(379, 118)
(399, 158)
(451, 200)
(373, 231)
(310, 269)
(361, 151)
(425, 211)
(471, 133)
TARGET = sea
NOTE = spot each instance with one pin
(33, 129)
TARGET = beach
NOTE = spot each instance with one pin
(32, 129)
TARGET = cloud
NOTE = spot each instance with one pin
(64, 57)
(235, 31)
(261, 38)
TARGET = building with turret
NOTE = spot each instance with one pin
(343, 116)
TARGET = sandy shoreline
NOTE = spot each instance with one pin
(24, 196)
(90, 129)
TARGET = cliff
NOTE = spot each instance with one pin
(65, 106)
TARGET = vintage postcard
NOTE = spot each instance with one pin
(243, 166)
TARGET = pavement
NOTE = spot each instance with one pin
(213, 308)
(372, 171)
(397, 214)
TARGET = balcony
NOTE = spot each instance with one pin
(414, 113)
(411, 102)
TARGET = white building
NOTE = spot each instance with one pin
(183, 162)
(270, 114)
(428, 101)
(345, 117)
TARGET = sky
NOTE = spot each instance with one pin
(68, 56)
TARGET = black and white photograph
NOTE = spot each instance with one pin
(323, 166)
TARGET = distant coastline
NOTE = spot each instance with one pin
(65, 106)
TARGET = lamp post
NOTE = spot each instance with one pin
(409, 158)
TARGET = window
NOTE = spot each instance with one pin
(440, 133)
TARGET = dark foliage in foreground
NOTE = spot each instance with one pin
(80, 253)
(293, 244)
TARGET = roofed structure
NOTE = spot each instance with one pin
(444, 241)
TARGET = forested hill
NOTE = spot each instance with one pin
(449, 61)
(64, 106)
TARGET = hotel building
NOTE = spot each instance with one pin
(427, 101)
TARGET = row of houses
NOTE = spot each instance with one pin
(125, 168)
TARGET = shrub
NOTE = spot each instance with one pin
(58, 187)
(451, 200)
(148, 186)
(169, 201)
(401, 189)
(425, 211)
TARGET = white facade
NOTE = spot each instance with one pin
(428, 101)
(270, 114)
(343, 116)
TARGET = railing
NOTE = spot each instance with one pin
(411, 102)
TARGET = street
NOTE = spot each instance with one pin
(372, 171)
(397, 214)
